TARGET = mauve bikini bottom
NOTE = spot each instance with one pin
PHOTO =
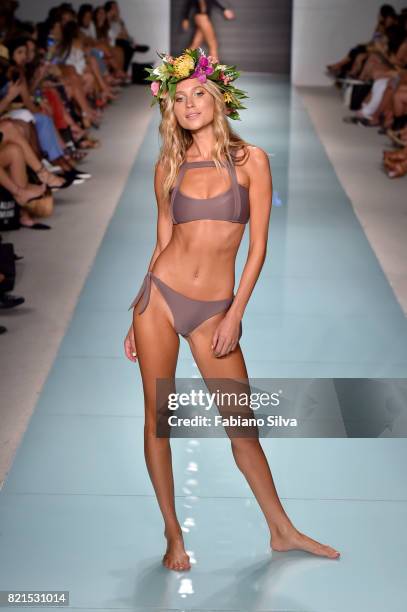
(188, 313)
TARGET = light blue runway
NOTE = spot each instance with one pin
(78, 511)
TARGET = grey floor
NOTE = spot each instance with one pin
(77, 509)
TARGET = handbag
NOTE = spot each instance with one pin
(9, 211)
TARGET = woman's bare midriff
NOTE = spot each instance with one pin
(199, 260)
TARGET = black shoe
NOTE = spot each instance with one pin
(3, 329)
(7, 300)
(78, 174)
(17, 257)
(68, 182)
(37, 226)
(141, 48)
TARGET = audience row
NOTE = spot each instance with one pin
(378, 68)
(56, 79)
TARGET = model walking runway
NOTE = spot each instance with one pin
(322, 308)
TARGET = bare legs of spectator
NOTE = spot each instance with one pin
(75, 89)
(12, 134)
(16, 180)
(28, 131)
(400, 101)
(103, 86)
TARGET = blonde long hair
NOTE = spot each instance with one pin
(176, 140)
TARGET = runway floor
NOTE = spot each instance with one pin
(78, 511)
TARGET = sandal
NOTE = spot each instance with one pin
(37, 226)
(50, 180)
(357, 121)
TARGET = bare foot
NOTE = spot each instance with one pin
(175, 557)
(296, 540)
(26, 219)
(24, 194)
(49, 179)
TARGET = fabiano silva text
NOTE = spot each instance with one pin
(235, 401)
(231, 421)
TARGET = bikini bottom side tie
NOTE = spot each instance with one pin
(143, 291)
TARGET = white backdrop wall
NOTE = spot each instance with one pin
(148, 21)
(324, 30)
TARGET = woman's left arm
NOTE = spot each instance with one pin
(228, 12)
(26, 97)
(260, 195)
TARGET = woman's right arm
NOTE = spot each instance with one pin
(164, 233)
(164, 221)
(14, 90)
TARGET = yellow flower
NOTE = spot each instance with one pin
(183, 66)
(227, 97)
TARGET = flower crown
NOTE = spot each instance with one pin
(193, 63)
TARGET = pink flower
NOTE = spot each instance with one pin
(203, 61)
(155, 86)
(202, 69)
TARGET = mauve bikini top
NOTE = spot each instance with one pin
(231, 205)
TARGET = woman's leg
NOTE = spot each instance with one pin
(369, 108)
(94, 66)
(72, 79)
(372, 64)
(385, 108)
(205, 25)
(13, 134)
(117, 59)
(357, 65)
(88, 82)
(15, 180)
(248, 453)
(27, 130)
(158, 360)
(400, 101)
(197, 39)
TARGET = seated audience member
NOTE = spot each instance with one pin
(118, 34)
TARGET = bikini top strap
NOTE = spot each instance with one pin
(178, 180)
(183, 167)
(236, 190)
